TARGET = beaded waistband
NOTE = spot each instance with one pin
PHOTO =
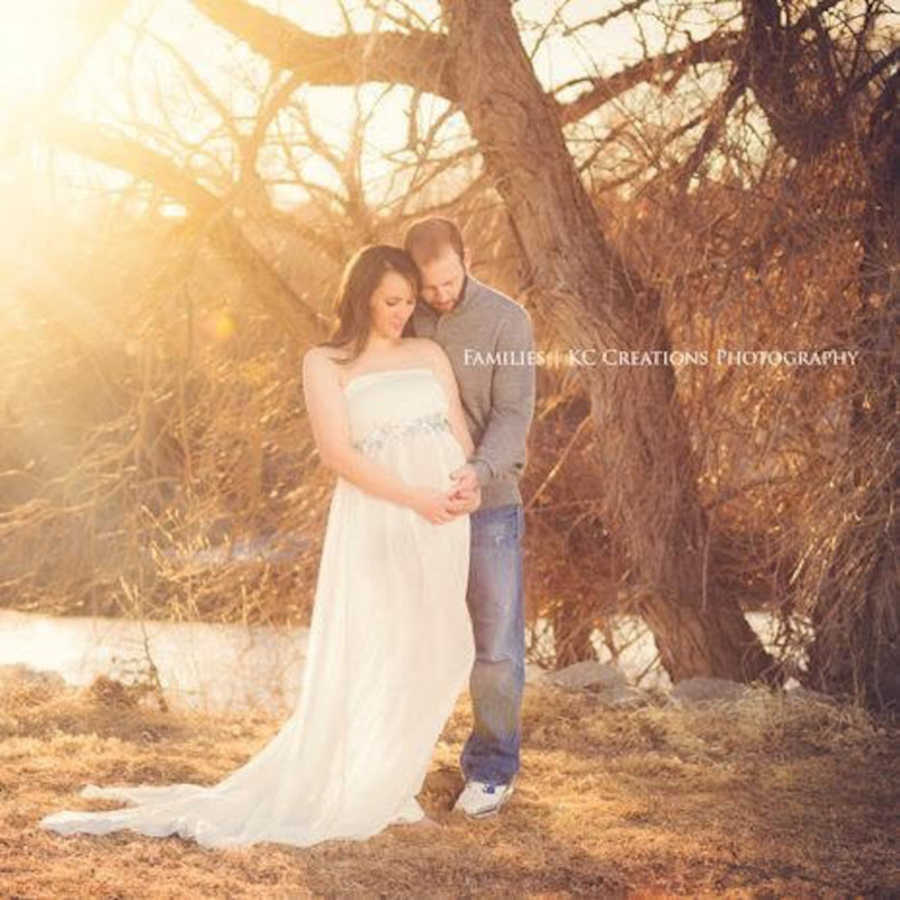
(389, 431)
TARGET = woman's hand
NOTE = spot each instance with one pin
(463, 502)
(435, 506)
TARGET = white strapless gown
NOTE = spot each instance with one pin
(390, 648)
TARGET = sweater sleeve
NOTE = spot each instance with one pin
(501, 450)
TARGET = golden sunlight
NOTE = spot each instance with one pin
(33, 36)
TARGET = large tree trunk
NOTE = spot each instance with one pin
(856, 649)
(591, 300)
(853, 572)
(856, 616)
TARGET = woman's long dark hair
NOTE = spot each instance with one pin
(360, 280)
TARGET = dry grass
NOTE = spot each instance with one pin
(760, 798)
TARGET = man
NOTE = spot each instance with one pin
(488, 339)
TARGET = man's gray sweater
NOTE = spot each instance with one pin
(488, 339)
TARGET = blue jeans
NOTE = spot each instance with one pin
(495, 598)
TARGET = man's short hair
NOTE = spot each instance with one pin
(427, 238)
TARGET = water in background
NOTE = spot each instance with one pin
(237, 667)
(204, 666)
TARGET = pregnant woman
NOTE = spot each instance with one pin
(390, 645)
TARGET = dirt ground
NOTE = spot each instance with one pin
(759, 798)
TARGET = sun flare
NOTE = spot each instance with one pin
(33, 38)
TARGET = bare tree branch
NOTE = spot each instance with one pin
(723, 105)
(600, 21)
(416, 58)
(715, 48)
(130, 156)
(205, 91)
(420, 58)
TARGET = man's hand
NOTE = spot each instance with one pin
(466, 479)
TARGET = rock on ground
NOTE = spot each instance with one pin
(706, 690)
(587, 675)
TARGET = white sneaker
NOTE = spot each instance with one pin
(480, 799)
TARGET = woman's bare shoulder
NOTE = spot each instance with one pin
(325, 353)
(321, 359)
